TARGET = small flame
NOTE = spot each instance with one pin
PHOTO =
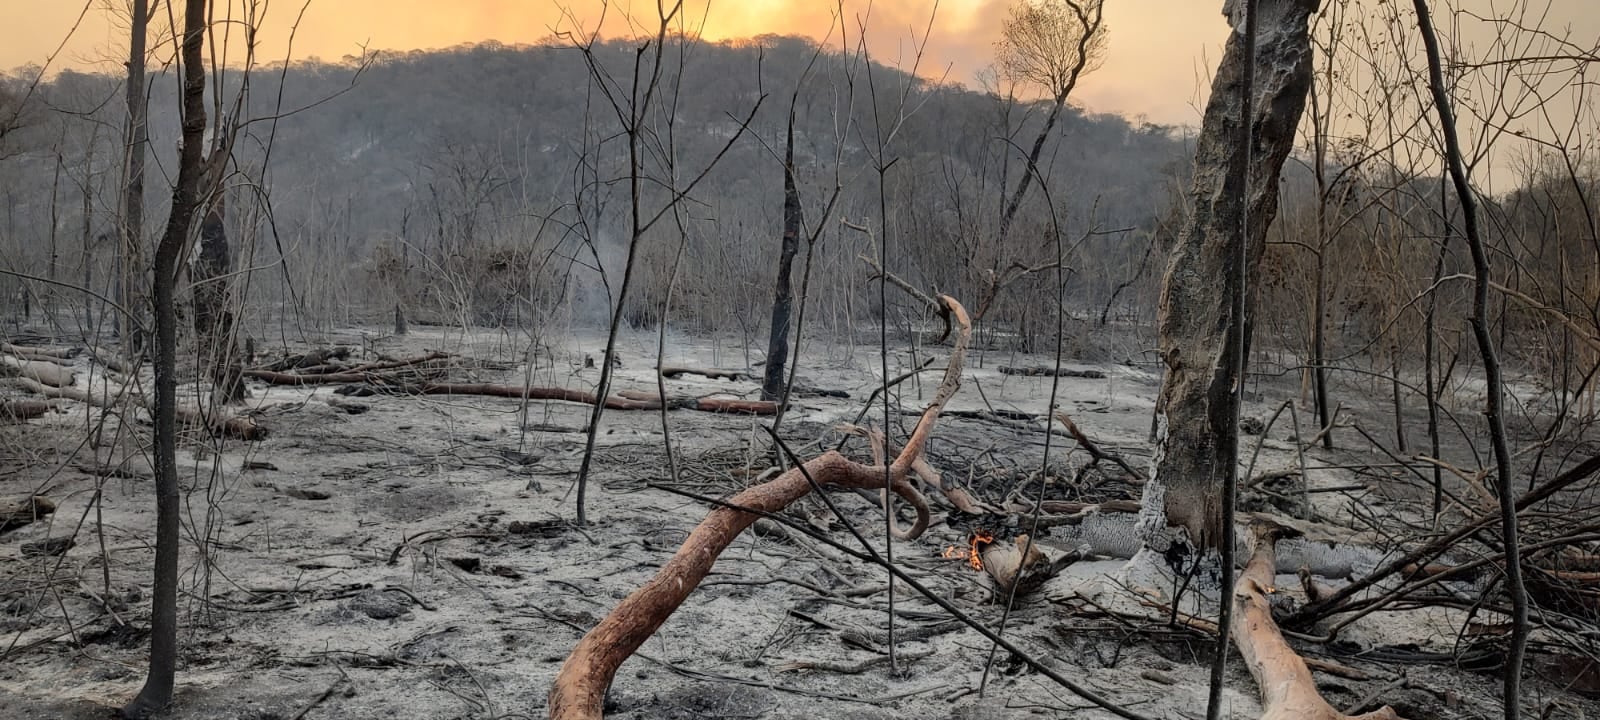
(972, 553)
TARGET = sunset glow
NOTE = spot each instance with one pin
(1160, 55)
(1157, 46)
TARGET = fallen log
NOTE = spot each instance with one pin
(1052, 372)
(580, 686)
(1110, 530)
(48, 373)
(112, 360)
(1006, 562)
(1288, 691)
(16, 512)
(626, 400)
(30, 355)
(221, 421)
(320, 356)
(403, 362)
(1434, 548)
(33, 352)
(276, 377)
(671, 371)
(335, 373)
(20, 410)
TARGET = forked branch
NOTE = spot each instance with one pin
(580, 686)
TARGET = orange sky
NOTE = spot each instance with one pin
(1160, 50)
(1158, 47)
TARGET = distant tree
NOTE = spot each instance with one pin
(16, 111)
(1049, 44)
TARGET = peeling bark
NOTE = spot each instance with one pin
(1288, 691)
(1196, 437)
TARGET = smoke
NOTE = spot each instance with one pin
(587, 290)
(1150, 70)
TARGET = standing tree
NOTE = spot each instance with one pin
(1494, 386)
(131, 215)
(783, 298)
(157, 691)
(215, 325)
(1048, 44)
(1196, 433)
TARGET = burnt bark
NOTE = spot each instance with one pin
(1092, 25)
(157, 691)
(215, 325)
(131, 286)
(1494, 408)
(783, 297)
(1196, 437)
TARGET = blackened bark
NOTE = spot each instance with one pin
(157, 691)
(1196, 437)
(214, 321)
(1494, 386)
(131, 281)
(783, 298)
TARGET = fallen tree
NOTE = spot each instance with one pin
(1052, 372)
(16, 512)
(369, 382)
(220, 421)
(42, 371)
(37, 353)
(1288, 691)
(672, 371)
(580, 686)
(19, 410)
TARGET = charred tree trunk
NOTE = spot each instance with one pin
(86, 232)
(157, 691)
(131, 290)
(214, 321)
(1494, 407)
(1197, 324)
(783, 299)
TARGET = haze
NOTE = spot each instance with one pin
(1158, 50)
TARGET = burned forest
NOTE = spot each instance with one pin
(643, 368)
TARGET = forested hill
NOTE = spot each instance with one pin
(490, 146)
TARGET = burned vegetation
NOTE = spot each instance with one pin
(763, 379)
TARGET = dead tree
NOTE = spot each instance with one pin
(215, 325)
(131, 286)
(1494, 410)
(1196, 407)
(580, 686)
(157, 691)
(1050, 44)
(1287, 690)
(783, 297)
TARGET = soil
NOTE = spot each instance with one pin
(419, 559)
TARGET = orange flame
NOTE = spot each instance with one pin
(971, 554)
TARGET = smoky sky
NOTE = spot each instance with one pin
(1158, 52)
(1157, 68)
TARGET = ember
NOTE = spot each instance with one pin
(972, 553)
